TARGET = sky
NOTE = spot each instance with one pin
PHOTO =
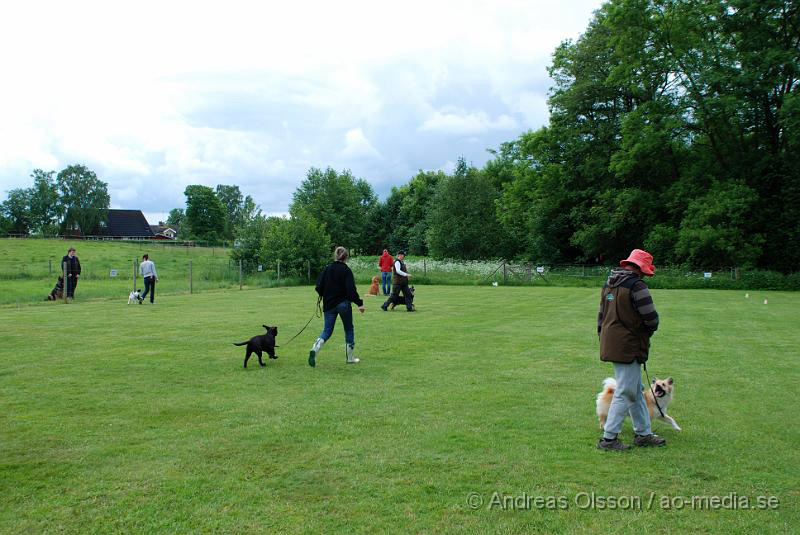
(154, 96)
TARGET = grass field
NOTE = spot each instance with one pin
(140, 419)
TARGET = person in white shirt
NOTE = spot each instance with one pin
(400, 278)
(148, 271)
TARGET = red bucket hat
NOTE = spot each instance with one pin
(643, 259)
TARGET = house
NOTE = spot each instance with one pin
(126, 224)
(165, 231)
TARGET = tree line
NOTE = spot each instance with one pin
(73, 199)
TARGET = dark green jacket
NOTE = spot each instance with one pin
(627, 318)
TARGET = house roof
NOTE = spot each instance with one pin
(159, 229)
(127, 223)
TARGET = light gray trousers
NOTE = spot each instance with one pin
(628, 398)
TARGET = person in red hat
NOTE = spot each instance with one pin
(625, 323)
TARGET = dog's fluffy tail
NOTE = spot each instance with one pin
(609, 383)
(240, 344)
(604, 399)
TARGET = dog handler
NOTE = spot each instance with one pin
(400, 278)
(72, 266)
(148, 270)
(337, 288)
(626, 321)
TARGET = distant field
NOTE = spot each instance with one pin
(140, 419)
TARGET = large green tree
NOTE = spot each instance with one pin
(15, 209)
(238, 208)
(462, 223)
(84, 199)
(43, 199)
(205, 215)
(673, 125)
(340, 202)
(298, 242)
(176, 216)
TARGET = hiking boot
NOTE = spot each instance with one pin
(649, 440)
(613, 444)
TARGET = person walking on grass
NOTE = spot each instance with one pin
(385, 264)
(336, 287)
(148, 270)
(625, 323)
(400, 278)
(72, 267)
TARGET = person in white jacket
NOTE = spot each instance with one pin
(400, 278)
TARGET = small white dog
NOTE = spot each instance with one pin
(663, 389)
(135, 296)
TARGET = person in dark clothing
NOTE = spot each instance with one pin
(72, 267)
(400, 278)
(626, 321)
(336, 287)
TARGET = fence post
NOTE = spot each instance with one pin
(424, 267)
(279, 272)
(191, 281)
(134, 273)
(505, 275)
(64, 276)
(308, 262)
(240, 273)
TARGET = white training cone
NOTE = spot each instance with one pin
(765, 301)
(747, 296)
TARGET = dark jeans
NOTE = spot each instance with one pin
(386, 282)
(149, 286)
(395, 297)
(343, 310)
(72, 283)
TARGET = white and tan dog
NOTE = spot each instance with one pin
(663, 392)
(135, 297)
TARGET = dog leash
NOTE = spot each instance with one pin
(317, 314)
(650, 386)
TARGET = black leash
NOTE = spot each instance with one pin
(317, 314)
(650, 386)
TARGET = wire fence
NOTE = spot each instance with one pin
(197, 271)
(27, 282)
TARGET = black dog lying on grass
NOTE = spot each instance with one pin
(257, 344)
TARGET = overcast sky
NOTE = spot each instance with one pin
(154, 96)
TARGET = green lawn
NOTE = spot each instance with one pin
(140, 419)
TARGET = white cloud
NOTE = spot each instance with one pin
(462, 123)
(358, 146)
